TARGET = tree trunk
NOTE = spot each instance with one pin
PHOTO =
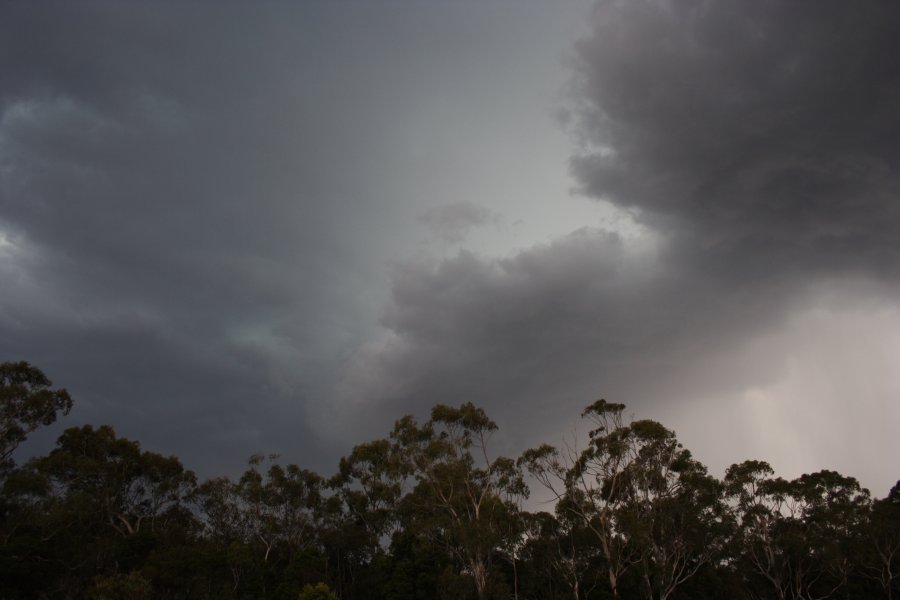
(613, 583)
(515, 580)
(479, 572)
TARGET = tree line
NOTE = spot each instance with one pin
(428, 512)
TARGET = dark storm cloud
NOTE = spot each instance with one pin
(197, 204)
(765, 132)
(758, 144)
(194, 207)
(534, 337)
(180, 231)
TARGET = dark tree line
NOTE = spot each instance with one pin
(428, 512)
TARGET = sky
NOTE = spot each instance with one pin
(279, 227)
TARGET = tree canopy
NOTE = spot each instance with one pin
(429, 511)
(26, 403)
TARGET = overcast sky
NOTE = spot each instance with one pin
(273, 227)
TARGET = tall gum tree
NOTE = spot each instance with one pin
(587, 483)
(880, 552)
(132, 490)
(673, 510)
(27, 402)
(370, 482)
(796, 535)
(463, 498)
(640, 494)
(268, 515)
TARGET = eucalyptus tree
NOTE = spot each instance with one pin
(280, 506)
(97, 505)
(464, 499)
(264, 520)
(564, 552)
(130, 490)
(880, 551)
(673, 512)
(646, 501)
(264, 508)
(587, 483)
(371, 482)
(226, 527)
(797, 535)
(27, 402)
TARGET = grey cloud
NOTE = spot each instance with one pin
(178, 216)
(451, 222)
(758, 145)
(766, 132)
(196, 207)
(534, 337)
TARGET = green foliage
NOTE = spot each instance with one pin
(879, 549)
(370, 482)
(26, 403)
(650, 507)
(464, 500)
(429, 512)
(318, 592)
(132, 586)
(796, 537)
(132, 491)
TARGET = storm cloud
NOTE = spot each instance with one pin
(211, 223)
(165, 232)
(755, 148)
(197, 206)
(764, 135)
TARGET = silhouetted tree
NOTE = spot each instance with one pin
(26, 403)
